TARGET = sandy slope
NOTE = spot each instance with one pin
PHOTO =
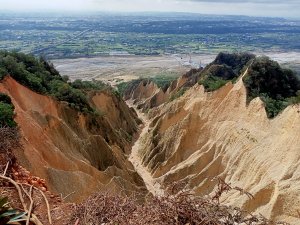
(73, 152)
(203, 135)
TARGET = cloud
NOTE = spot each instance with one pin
(219, 1)
(248, 1)
(278, 8)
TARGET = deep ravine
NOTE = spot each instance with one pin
(151, 183)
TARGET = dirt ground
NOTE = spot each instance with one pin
(124, 68)
(115, 69)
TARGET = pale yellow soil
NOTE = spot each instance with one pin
(202, 135)
(152, 184)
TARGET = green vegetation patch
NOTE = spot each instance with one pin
(277, 87)
(234, 61)
(212, 83)
(178, 94)
(89, 85)
(41, 77)
(125, 88)
(6, 111)
(225, 68)
(122, 87)
(163, 80)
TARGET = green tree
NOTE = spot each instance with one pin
(7, 115)
(277, 87)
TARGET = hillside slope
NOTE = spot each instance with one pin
(226, 67)
(77, 153)
(201, 135)
(147, 95)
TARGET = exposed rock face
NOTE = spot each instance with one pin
(74, 152)
(147, 95)
(202, 135)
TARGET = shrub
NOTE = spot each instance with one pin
(117, 93)
(6, 115)
(276, 87)
(5, 98)
(213, 83)
(226, 67)
(122, 87)
(273, 106)
(295, 99)
(6, 111)
(266, 76)
(89, 85)
(163, 81)
(236, 61)
(125, 88)
(8, 215)
(178, 94)
(64, 92)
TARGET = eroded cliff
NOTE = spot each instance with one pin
(202, 135)
(77, 153)
(147, 95)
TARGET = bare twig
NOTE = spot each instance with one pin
(68, 195)
(179, 208)
(48, 206)
(33, 218)
(30, 207)
(77, 222)
(6, 167)
(46, 201)
(18, 189)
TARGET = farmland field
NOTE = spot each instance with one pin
(102, 46)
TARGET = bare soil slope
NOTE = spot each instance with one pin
(202, 135)
(76, 153)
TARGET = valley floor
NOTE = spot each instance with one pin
(152, 184)
(115, 69)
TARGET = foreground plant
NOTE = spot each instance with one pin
(182, 208)
(9, 215)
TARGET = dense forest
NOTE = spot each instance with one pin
(277, 87)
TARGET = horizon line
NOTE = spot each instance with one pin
(74, 12)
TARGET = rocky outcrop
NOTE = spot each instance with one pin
(226, 67)
(147, 95)
(75, 153)
(202, 135)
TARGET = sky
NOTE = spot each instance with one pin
(268, 8)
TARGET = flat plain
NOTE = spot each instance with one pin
(121, 47)
(115, 69)
(125, 68)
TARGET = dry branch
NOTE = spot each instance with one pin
(31, 216)
(6, 167)
(31, 205)
(46, 201)
(18, 189)
(180, 208)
